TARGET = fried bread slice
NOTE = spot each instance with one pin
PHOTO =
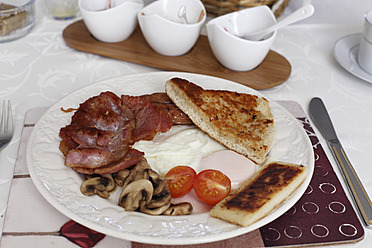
(242, 122)
(261, 194)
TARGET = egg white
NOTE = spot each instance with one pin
(181, 145)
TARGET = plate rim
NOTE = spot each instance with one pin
(155, 240)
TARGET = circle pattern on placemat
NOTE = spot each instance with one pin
(348, 230)
(291, 211)
(337, 207)
(319, 231)
(323, 214)
(321, 171)
(293, 232)
(271, 234)
(310, 207)
(309, 190)
(327, 188)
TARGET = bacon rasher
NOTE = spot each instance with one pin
(98, 140)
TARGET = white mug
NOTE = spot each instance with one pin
(365, 47)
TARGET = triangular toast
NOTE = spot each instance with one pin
(242, 122)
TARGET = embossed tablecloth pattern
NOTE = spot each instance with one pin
(322, 215)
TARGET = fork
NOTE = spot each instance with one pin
(6, 125)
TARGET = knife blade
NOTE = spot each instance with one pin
(321, 119)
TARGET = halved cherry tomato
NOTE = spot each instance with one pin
(211, 186)
(180, 180)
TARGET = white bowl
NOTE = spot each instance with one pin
(165, 31)
(225, 37)
(113, 24)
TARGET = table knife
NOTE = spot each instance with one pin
(321, 119)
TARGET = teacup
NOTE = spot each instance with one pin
(113, 23)
(365, 47)
(226, 37)
(172, 27)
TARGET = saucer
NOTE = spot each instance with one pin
(345, 51)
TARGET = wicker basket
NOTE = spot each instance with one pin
(221, 7)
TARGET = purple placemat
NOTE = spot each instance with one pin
(323, 215)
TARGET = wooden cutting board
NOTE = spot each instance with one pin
(273, 71)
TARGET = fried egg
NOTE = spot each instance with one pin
(181, 145)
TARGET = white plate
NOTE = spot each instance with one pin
(60, 184)
(346, 52)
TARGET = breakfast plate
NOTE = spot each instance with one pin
(346, 52)
(60, 185)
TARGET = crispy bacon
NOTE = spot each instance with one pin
(177, 116)
(158, 97)
(164, 103)
(88, 157)
(100, 132)
(131, 158)
(104, 112)
(149, 120)
(98, 140)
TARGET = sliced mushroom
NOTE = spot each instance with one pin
(110, 185)
(121, 176)
(88, 187)
(134, 193)
(183, 208)
(103, 194)
(159, 201)
(100, 185)
(143, 189)
(159, 183)
(154, 176)
(161, 187)
(137, 172)
(89, 176)
(154, 211)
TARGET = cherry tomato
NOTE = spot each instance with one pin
(180, 180)
(211, 186)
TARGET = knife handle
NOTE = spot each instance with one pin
(354, 184)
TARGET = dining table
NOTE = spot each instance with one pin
(43, 67)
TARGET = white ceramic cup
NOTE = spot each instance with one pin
(365, 47)
(165, 31)
(112, 24)
(233, 51)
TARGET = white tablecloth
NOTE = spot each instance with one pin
(39, 69)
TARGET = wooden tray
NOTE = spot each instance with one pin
(273, 71)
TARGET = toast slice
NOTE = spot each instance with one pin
(261, 194)
(242, 122)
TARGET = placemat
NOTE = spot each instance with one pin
(322, 216)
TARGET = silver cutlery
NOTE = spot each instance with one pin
(6, 125)
(319, 115)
